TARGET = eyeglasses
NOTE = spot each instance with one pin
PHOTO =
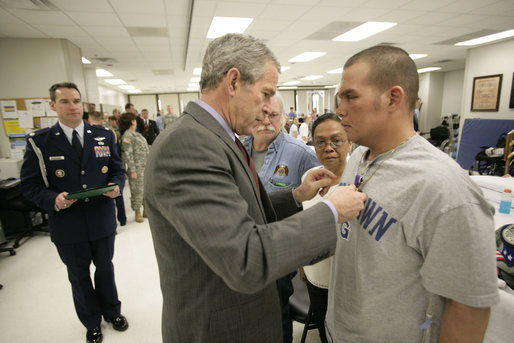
(272, 116)
(334, 143)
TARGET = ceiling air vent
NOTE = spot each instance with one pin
(108, 60)
(162, 71)
(41, 5)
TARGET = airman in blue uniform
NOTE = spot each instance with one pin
(67, 157)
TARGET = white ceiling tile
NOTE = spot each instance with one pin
(238, 9)
(500, 8)
(106, 31)
(278, 12)
(42, 17)
(61, 31)
(94, 18)
(143, 20)
(98, 28)
(83, 5)
(20, 31)
(139, 7)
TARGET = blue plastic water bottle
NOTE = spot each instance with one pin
(506, 201)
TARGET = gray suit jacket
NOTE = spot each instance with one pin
(218, 245)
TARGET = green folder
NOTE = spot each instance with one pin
(90, 192)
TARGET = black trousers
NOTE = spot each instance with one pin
(91, 302)
(319, 300)
(120, 206)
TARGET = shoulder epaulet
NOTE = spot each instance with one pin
(38, 132)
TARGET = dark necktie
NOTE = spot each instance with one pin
(250, 163)
(75, 143)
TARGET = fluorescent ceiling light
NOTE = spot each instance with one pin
(134, 91)
(281, 87)
(417, 56)
(311, 77)
(283, 69)
(197, 71)
(126, 87)
(193, 85)
(195, 79)
(307, 56)
(291, 83)
(487, 39)
(364, 31)
(85, 61)
(115, 81)
(426, 70)
(192, 89)
(335, 71)
(103, 73)
(224, 25)
(333, 86)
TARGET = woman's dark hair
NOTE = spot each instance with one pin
(125, 121)
(322, 118)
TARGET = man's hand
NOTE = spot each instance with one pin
(114, 193)
(348, 202)
(133, 175)
(62, 203)
(317, 180)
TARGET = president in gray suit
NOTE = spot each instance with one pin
(219, 243)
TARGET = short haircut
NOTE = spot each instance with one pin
(127, 106)
(245, 53)
(56, 86)
(126, 120)
(95, 115)
(323, 118)
(144, 109)
(113, 118)
(390, 66)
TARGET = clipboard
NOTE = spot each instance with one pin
(90, 192)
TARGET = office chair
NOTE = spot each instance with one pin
(12, 200)
(299, 306)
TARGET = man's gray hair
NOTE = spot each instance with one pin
(283, 114)
(245, 53)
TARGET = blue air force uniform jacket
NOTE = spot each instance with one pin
(52, 166)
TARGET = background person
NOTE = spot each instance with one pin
(399, 261)
(150, 131)
(332, 148)
(218, 245)
(134, 151)
(69, 157)
(280, 160)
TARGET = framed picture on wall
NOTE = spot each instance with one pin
(511, 104)
(486, 93)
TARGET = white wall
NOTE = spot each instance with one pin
(30, 66)
(185, 98)
(431, 87)
(145, 101)
(489, 60)
(110, 99)
(170, 99)
(452, 92)
(288, 98)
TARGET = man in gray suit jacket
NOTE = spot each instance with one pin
(218, 243)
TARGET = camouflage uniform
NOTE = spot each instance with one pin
(134, 151)
(167, 120)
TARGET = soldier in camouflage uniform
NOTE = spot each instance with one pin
(134, 151)
(168, 118)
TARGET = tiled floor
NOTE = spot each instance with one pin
(36, 303)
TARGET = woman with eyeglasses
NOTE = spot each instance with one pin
(332, 148)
